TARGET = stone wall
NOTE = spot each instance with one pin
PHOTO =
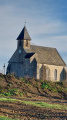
(61, 75)
(30, 68)
(25, 68)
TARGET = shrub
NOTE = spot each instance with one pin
(14, 91)
(7, 94)
(11, 92)
(49, 85)
(45, 86)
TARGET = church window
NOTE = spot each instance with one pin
(26, 43)
(55, 74)
(63, 74)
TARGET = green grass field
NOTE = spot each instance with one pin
(38, 104)
(5, 118)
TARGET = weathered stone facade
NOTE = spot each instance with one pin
(49, 72)
(36, 61)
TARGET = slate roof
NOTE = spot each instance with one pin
(24, 35)
(45, 55)
(15, 57)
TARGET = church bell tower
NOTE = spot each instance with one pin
(23, 40)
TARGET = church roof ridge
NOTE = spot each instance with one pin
(43, 46)
(24, 35)
(48, 55)
(52, 49)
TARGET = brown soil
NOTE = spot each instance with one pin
(28, 112)
(32, 91)
(32, 87)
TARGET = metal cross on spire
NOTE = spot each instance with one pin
(25, 23)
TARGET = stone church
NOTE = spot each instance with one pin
(36, 61)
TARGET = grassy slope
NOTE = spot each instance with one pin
(27, 87)
(5, 118)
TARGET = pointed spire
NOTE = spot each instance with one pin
(24, 35)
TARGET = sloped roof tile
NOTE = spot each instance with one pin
(45, 55)
(24, 35)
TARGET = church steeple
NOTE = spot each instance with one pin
(24, 39)
(24, 35)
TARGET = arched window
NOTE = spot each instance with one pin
(26, 43)
(55, 74)
(63, 75)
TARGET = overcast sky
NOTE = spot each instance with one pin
(46, 24)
